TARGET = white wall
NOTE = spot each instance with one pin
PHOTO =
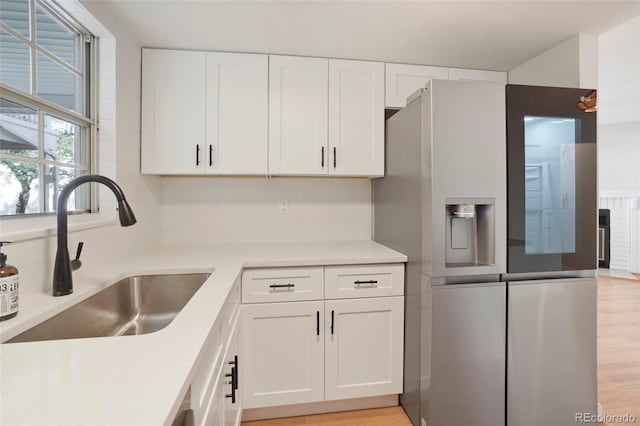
(119, 158)
(572, 63)
(619, 140)
(205, 210)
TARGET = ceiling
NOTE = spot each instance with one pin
(471, 34)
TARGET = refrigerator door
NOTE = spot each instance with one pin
(551, 167)
(551, 355)
(468, 355)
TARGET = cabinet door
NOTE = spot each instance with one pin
(282, 353)
(237, 105)
(364, 342)
(214, 415)
(403, 80)
(298, 93)
(356, 118)
(468, 355)
(232, 368)
(173, 111)
(551, 369)
(477, 75)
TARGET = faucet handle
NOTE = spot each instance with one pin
(76, 263)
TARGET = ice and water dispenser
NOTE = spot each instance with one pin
(469, 232)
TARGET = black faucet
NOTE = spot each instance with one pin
(62, 280)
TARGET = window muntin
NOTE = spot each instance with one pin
(45, 126)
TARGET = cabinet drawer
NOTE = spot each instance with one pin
(282, 284)
(364, 281)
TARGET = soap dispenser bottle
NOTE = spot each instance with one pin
(8, 287)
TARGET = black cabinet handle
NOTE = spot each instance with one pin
(236, 370)
(232, 395)
(332, 312)
(282, 285)
(210, 155)
(358, 282)
(197, 154)
(234, 379)
(322, 158)
(334, 157)
(317, 323)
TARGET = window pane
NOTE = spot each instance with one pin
(56, 178)
(20, 183)
(57, 84)
(550, 190)
(14, 62)
(15, 13)
(18, 129)
(63, 142)
(57, 37)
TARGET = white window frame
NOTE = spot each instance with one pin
(87, 119)
(30, 227)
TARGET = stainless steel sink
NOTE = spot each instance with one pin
(134, 305)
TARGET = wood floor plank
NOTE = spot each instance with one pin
(391, 416)
(619, 346)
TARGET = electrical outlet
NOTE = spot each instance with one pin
(283, 206)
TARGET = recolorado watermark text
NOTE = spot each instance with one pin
(605, 418)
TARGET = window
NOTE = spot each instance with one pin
(46, 113)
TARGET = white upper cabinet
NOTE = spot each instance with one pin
(173, 111)
(204, 113)
(236, 111)
(402, 80)
(477, 75)
(298, 124)
(356, 118)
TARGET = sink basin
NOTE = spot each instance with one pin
(134, 305)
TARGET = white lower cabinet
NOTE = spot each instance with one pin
(323, 350)
(215, 391)
(283, 353)
(231, 368)
(363, 349)
(215, 414)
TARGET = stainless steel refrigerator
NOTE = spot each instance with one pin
(493, 211)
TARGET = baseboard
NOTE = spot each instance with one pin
(319, 407)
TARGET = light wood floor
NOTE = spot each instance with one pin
(618, 364)
(619, 346)
(393, 416)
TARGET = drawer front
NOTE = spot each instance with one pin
(343, 282)
(282, 284)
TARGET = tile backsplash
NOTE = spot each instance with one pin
(206, 210)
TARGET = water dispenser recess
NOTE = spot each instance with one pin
(469, 232)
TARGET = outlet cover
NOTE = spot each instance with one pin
(283, 206)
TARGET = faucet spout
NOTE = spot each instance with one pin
(62, 278)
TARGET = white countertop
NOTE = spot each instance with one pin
(137, 380)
